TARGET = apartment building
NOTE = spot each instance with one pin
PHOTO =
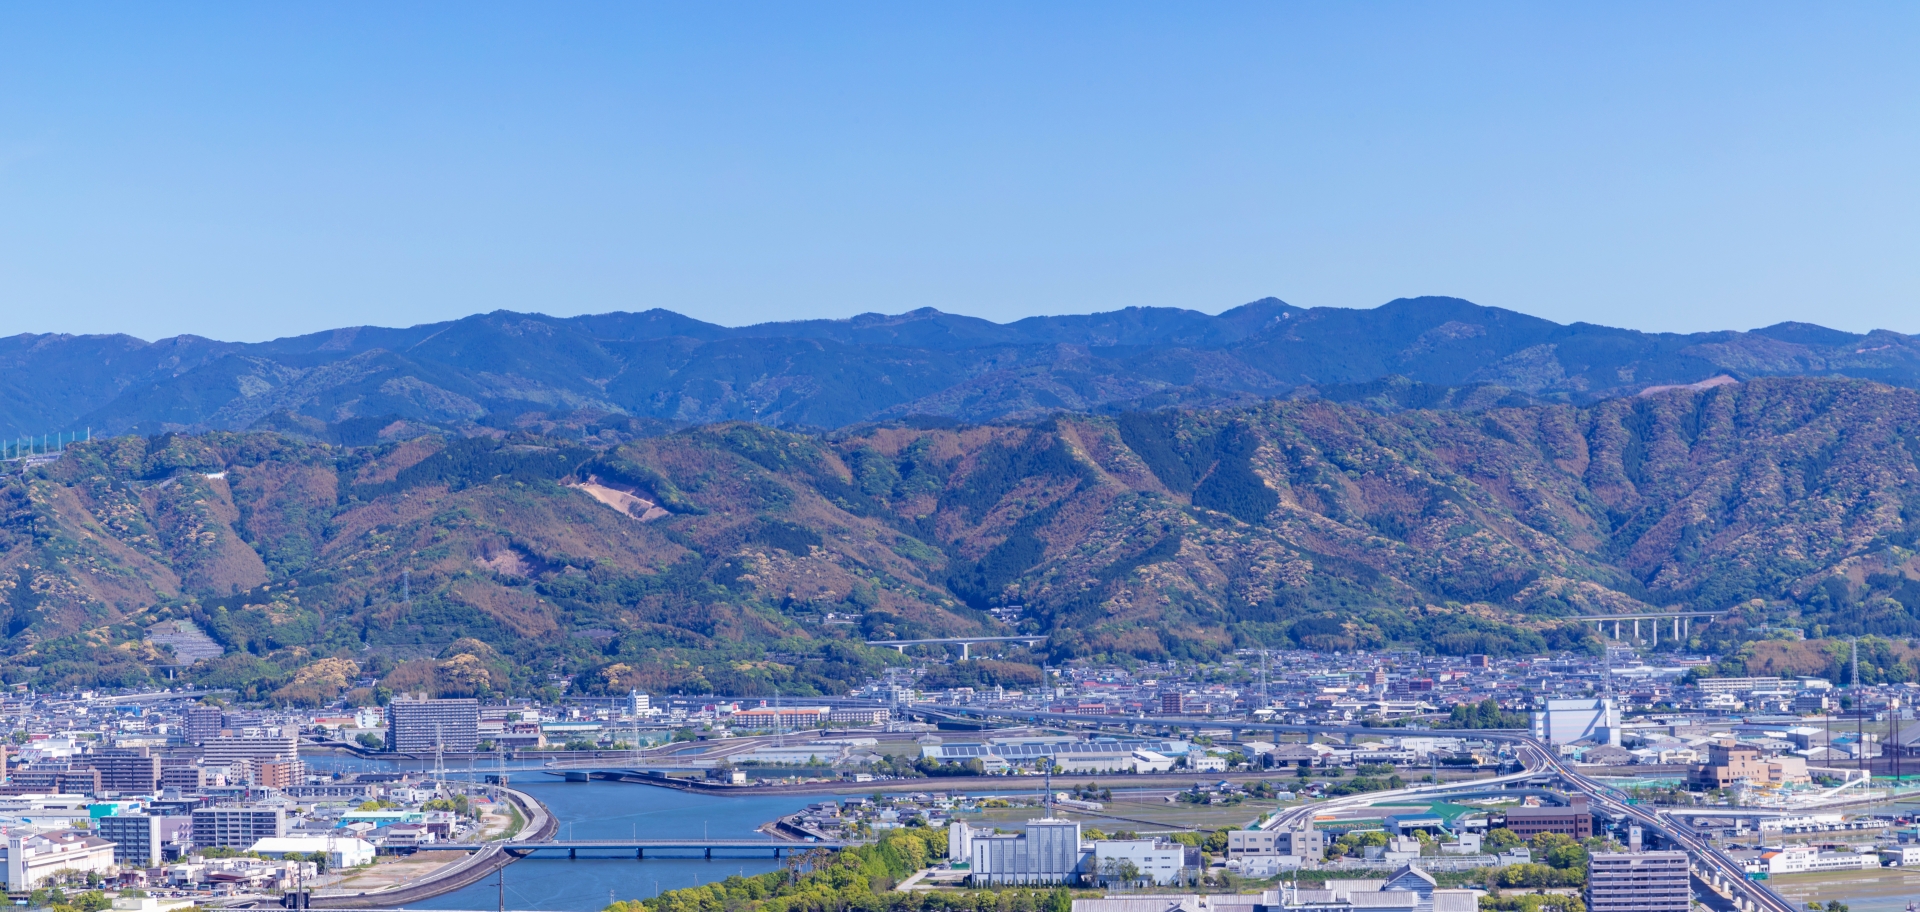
(426, 726)
(141, 839)
(1638, 882)
(237, 827)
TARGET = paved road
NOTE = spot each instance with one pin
(1536, 757)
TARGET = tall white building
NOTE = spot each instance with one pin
(1566, 721)
(639, 705)
(960, 841)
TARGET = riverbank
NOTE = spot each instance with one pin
(982, 784)
(470, 869)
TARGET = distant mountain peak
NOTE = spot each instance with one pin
(657, 365)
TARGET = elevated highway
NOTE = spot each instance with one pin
(1539, 764)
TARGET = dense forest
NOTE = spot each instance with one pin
(739, 558)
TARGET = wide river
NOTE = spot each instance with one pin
(610, 810)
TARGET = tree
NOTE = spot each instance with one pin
(370, 741)
(1500, 839)
(1060, 900)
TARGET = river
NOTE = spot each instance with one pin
(607, 810)
(589, 810)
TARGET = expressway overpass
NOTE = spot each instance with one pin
(965, 643)
(1540, 763)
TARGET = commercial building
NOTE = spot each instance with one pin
(1638, 882)
(1729, 762)
(1047, 853)
(1567, 721)
(32, 858)
(1805, 859)
(342, 851)
(1307, 843)
(1573, 820)
(143, 840)
(1134, 861)
(237, 827)
(424, 726)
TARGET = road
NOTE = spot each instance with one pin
(1535, 757)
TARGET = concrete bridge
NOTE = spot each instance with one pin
(965, 643)
(662, 848)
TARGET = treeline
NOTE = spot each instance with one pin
(1484, 714)
(858, 879)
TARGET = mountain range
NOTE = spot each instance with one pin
(621, 375)
(736, 557)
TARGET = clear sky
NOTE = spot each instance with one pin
(253, 170)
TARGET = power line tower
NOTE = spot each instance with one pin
(1856, 662)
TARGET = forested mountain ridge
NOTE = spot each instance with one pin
(622, 375)
(735, 557)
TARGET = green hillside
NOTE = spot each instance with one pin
(737, 558)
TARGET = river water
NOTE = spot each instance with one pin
(550, 882)
(616, 810)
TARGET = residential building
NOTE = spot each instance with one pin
(1047, 853)
(237, 827)
(127, 770)
(860, 715)
(85, 781)
(141, 839)
(279, 774)
(255, 747)
(769, 718)
(1638, 882)
(186, 778)
(32, 858)
(204, 723)
(1738, 685)
(424, 726)
(1173, 702)
(639, 704)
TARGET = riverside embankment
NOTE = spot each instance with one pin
(540, 825)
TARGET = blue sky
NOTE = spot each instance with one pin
(254, 170)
